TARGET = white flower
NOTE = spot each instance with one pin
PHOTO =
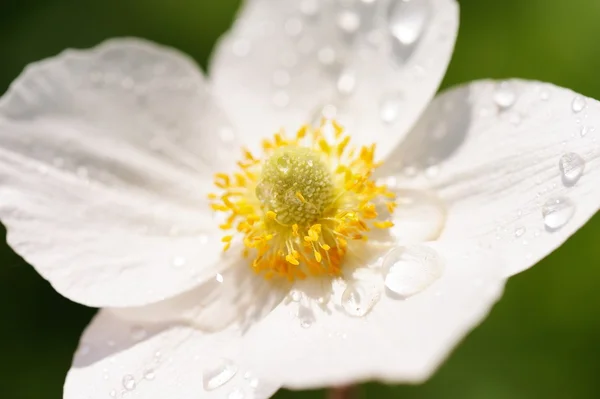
(107, 158)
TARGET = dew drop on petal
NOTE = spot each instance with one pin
(236, 394)
(578, 104)
(253, 383)
(178, 261)
(557, 212)
(219, 278)
(306, 316)
(129, 382)
(113, 393)
(309, 8)
(149, 374)
(407, 20)
(389, 107)
(359, 298)
(571, 167)
(346, 83)
(219, 375)
(519, 231)
(410, 270)
(584, 130)
(326, 56)
(348, 21)
(504, 95)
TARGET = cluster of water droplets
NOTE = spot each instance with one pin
(556, 211)
(329, 32)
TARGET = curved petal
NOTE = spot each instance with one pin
(235, 297)
(516, 162)
(119, 358)
(104, 168)
(375, 65)
(400, 340)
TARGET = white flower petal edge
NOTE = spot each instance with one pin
(379, 63)
(105, 165)
(517, 164)
(400, 340)
(155, 360)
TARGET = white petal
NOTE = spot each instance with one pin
(104, 159)
(306, 346)
(376, 64)
(118, 357)
(236, 296)
(517, 163)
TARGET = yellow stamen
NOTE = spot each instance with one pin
(300, 205)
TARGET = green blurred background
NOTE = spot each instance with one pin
(542, 340)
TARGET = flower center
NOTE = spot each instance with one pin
(299, 210)
(297, 184)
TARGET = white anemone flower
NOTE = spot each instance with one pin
(366, 228)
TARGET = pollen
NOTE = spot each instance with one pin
(298, 208)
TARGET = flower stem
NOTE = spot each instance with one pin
(344, 392)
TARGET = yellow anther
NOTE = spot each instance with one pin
(292, 260)
(317, 188)
(318, 256)
(300, 196)
(391, 206)
(302, 132)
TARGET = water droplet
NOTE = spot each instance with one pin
(504, 95)
(519, 231)
(226, 134)
(544, 95)
(218, 376)
(138, 333)
(281, 78)
(128, 382)
(359, 298)
(178, 261)
(346, 82)
(584, 130)
(389, 107)
(348, 21)
(306, 316)
(236, 394)
(296, 296)
(281, 99)
(557, 212)
(407, 19)
(219, 277)
(149, 375)
(309, 7)
(326, 56)
(578, 104)
(571, 167)
(410, 270)
(293, 26)
(253, 383)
